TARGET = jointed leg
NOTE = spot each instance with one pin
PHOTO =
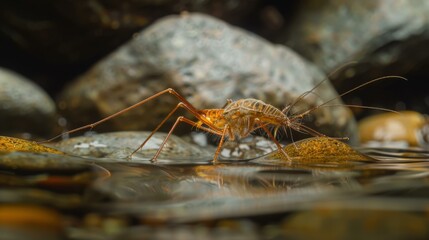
(219, 146)
(171, 91)
(279, 147)
(157, 128)
(179, 105)
(190, 122)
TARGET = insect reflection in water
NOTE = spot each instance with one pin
(237, 119)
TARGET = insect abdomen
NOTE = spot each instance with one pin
(255, 108)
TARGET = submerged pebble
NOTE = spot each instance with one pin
(406, 128)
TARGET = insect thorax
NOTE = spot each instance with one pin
(214, 117)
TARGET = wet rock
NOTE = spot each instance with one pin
(208, 62)
(42, 162)
(385, 38)
(319, 150)
(24, 107)
(119, 146)
(403, 129)
(11, 144)
(49, 171)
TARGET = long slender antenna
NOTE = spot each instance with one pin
(304, 94)
(361, 106)
(347, 92)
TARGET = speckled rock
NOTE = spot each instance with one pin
(118, 146)
(206, 60)
(24, 107)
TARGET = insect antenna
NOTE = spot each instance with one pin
(361, 106)
(311, 91)
(288, 108)
(347, 92)
(310, 131)
(295, 124)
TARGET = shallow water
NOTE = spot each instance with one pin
(384, 195)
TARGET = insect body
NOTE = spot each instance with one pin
(237, 119)
(242, 115)
(240, 118)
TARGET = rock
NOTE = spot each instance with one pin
(11, 144)
(24, 107)
(319, 150)
(42, 162)
(333, 32)
(119, 145)
(49, 171)
(402, 129)
(208, 62)
(385, 38)
(51, 42)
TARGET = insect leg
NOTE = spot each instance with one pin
(186, 120)
(156, 129)
(219, 146)
(279, 147)
(171, 91)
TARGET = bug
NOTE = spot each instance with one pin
(237, 119)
